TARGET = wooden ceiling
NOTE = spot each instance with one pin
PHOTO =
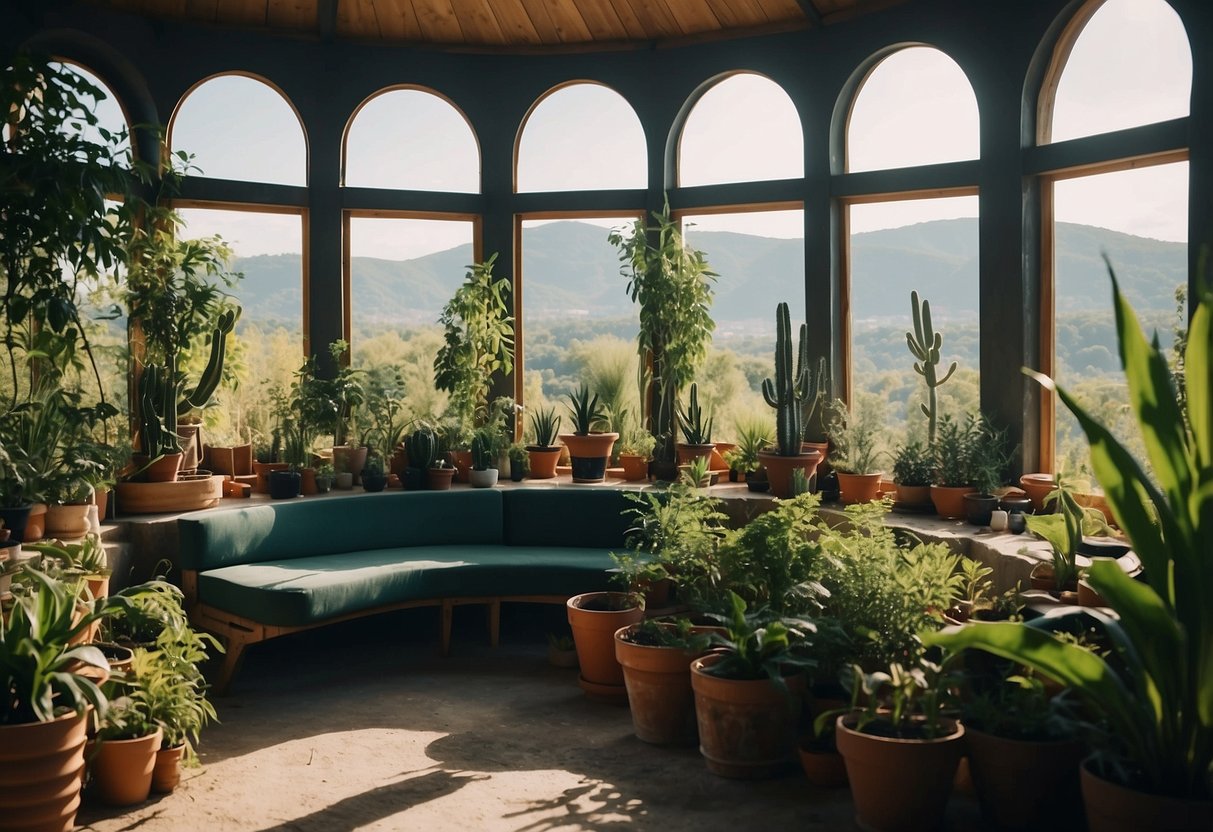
(507, 24)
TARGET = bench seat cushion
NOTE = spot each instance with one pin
(298, 591)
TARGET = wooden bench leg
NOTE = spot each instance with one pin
(494, 622)
(448, 613)
(231, 663)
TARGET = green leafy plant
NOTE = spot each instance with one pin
(758, 645)
(697, 472)
(800, 482)
(585, 409)
(1154, 694)
(924, 343)
(913, 464)
(970, 453)
(753, 437)
(637, 441)
(853, 439)
(172, 691)
(907, 701)
(545, 425)
(695, 430)
(87, 555)
(1062, 530)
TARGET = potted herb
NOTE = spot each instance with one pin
(635, 450)
(953, 477)
(748, 692)
(343, 394)
(324, 477)
(753, 436)
(1062, 530)
(853, 453)
(913, 468)
(589, 449)
(989, 456)
(122, 754)
(696, 431)
(1154, 751)
(787, 393)
(518, 457)
(544, 452)
(421, 448)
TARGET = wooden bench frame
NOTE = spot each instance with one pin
(238, 632)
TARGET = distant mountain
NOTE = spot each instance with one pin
(571, 272)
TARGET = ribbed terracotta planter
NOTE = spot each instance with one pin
(1115, 808)
(40, 774)
(635, 467)
(67, 521)
(658, 681)
(899, 785)
(122, 769)
(594, 634)
(166, 773)
(1021, 784)
(949, 501)
(543, 461)
(858, 488)
(779, 469)
(747, 728)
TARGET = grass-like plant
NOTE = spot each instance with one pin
(586, 410)
(545, 423)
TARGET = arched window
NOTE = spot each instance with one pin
(743, 129)
(241, 128)
(411, 139)
(1130, 64)
(582, 137)
(916, 107)
(108, 110)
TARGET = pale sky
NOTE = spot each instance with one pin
(1132, 65)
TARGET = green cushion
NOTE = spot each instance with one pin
(303, 528)
(306, 590)
(577, 516)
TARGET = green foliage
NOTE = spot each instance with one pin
(913, 464)
(1063, 532)
(672, 283)
(545, 426)
(906, 701)
(695, 430)
(788, 394)
(478, 341)
(759, 645)
(753, 436)
(172, 690)
(973, 453)
(852, 439)
(637, 441)
(586, 410)
(384, 408)
(924, 343)
(774, 561)
(1154, 694)
(87, 556)
(697, 473)
(1016, 708)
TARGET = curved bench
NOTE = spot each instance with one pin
(259, 572)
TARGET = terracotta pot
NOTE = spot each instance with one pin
(859, 488)
(635, 467)
(594, 635)
(1037, 486)
(263, 471)
(949, 501)
(35, 524)
(717, 463)
(345, 480)
(98, 586)
(1112, 807)
(486, 478)
(166, 773)
(588, 454)
(462, 460)
(658, 681)
(824, 468)
(979, 507)
(439, 479)
(899, 784)
(543, 461)
(232, 461)
(67, 522)
(191, 446)
(122, 769)
(398, 462)
(41, 764)
(824, 767)
(747, 728)
(1088, 597)
(164, 469)
(1042, 577)
(351, 459)
(914, 496)
(779, 469)
(307, 482)
(101, 498)
(689, 453)
(1022, 784)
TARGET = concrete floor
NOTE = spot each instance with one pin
(362, 726)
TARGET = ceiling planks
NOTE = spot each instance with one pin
(523, 24)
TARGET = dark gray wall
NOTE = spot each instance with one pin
(1003, 46)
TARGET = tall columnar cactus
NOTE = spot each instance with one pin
(924, 343)
(208, 382)
(816, 388)
(158, 411)
(786, 392)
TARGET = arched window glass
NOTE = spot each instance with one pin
(1131, 65)
(413, 140)
(403, 270)
(582, 137)
(924, 245)
(240, 128)
(758, 257)
(744, 129)
(109, 113)
(915, 108)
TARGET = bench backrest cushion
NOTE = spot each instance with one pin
(582, 516)
(304, 528)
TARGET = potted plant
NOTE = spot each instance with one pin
(696, 431)
(589, 449)
(1155, 749)
(544, 452)
(753, 436)
(901, 753)
(122, 754)
(635, 450)
(913, 468)
(953, 477)
(989, 456)
(853, 453)
(672, 283)
(341, 396)
(374, 473)
(787, 394)
(15, 473)
(656, 657)
(485, 442)
(594, 617)
(478, 342)
(44, 702)
(324, 477)
(421, 448)
(925, 344)
(440, 475)
(519, 456)
(1063, 532)
(748, 692)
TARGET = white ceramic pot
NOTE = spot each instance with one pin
(483, 479)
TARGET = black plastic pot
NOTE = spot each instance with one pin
(15, 519)
(284, 484)
(372, 481)
(757, 481)
(588, 468)
(516, 473)
(978, 508)
(413, 479)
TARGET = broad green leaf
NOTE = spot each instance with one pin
(1198, 375)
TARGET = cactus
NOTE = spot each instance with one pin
(694, 430)
(816, 389)
(158, 392)
(421, 447)
(208, 382)
(924, 343)
(786, 393)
